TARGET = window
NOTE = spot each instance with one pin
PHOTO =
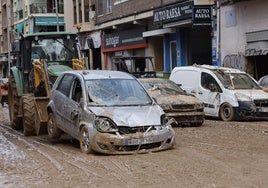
(109, 6)
(208, 82)
(173, 54)
(99, 8)
(64, 86)
(77, 91)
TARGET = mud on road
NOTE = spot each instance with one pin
(217, 154)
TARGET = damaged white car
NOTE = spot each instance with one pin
(109, 112)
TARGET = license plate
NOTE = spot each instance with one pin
(137, 141)
(263, 109)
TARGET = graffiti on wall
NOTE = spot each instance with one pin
(256, 52)
(236, 61)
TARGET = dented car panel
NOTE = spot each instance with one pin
(113, 114)
(176, 103)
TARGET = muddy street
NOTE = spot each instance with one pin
(217, 154)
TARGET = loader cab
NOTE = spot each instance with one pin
(54, 48)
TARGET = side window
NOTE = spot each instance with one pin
(77, 90)
(64, 85)
(208, 82)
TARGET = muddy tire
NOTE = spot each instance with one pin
(53, 131)
(28, 111)
(13, 103)
(84, 140)
(226, 112)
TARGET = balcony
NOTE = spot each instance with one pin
(43, 8)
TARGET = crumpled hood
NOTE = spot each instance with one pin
(131, 116)
(253, 93)
(174, 99)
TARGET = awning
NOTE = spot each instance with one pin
(256, 48)
(49, 21)
(20, 27)
(158, 32)
(178, 23)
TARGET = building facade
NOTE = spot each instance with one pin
(244, 36)
(167, 30)
(26, 17)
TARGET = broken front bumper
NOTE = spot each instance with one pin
(153, 139)
(250, 111)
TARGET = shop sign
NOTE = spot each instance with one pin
(173, 13)
(202, 16)
(124, 38)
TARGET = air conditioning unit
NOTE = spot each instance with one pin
(91, 15)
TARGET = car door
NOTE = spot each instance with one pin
(209, 92)
(61, 98)
(72, 109)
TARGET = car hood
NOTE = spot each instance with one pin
(174, 99)
(131, 116)
(253, 93)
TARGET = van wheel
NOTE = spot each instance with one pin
(226, 112)
(84, 139)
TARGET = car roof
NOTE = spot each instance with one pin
(209, 67)
(101, 74)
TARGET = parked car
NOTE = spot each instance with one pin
(109, 112)
(227, 93)
(185, 108)
(263, 81)
(3, 91)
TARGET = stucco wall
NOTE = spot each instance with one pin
(235, 21)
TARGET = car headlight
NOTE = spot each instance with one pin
(165, 106)
(165, 120)
(199, 105)
(242, 97)
(104, 125)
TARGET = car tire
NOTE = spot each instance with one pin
(52, 130)
(226, 112)
(84, 140)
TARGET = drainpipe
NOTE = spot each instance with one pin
(8, 38)
(218, 39)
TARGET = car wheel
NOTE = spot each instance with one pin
(226, 112)
(84, 139)
(53, 131)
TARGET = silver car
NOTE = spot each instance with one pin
(109, 112)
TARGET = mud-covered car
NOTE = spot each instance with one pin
(109, 112)
(263, 81)
(185, 108)
(3, 91)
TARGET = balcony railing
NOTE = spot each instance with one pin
(43, 8)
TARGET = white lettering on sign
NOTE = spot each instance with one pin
(202, 13)
(167, 14)
(112, 41)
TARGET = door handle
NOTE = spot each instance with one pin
(200, 93)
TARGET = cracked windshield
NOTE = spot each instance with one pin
(116, 92)
(237, 81)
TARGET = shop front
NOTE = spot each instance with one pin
(188, 37)
(122, 44)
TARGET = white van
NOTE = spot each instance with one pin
(227, 93)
